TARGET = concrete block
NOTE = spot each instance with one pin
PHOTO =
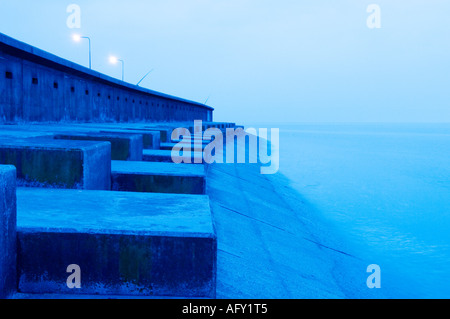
(151, 139)
(7, 231)
(165, 133)
(60, 164)
(199, 136)
(124, 243)
(170, 146)
(219, 125)
(154, 177)
(124, 147)
(166, 156)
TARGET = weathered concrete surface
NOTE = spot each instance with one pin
(166, 156)
(219, 125)
(124, 146)
(163, 130)
(7, 133)
(57, 163)
(151, 139)
(286, 249)
(197, 145)
(164, 133)
(154, 177)
(7, 231)
(125, 243)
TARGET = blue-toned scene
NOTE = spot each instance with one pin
(226, 149)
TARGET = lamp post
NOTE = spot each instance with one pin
(114, 60)
(77, 38)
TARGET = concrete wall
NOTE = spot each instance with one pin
(8, 250)
(36, 86)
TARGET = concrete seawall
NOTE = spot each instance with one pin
(262, 239)
(272, 244)
(36, 86)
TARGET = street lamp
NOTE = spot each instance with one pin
(114, 60)
(77, 38)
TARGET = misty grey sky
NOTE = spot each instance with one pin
(262, 61)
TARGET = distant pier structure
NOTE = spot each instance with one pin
(37, 86)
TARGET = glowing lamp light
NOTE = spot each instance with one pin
(76, 37)
(113, 59)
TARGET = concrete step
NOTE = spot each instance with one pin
(124, 146)
(166, 156)
(194, 145)
(161, 133)
(193, 137)
(151, 139)
(56, 163)
(16, 132)
(7, 230)
(164, 133)
(157, 177)
(219, 125)
(124, 243)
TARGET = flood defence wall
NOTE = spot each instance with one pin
(36, 86)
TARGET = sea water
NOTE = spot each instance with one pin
(386, 188)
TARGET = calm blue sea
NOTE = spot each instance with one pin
(386, 188)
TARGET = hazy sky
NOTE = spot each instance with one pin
(259, 60)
